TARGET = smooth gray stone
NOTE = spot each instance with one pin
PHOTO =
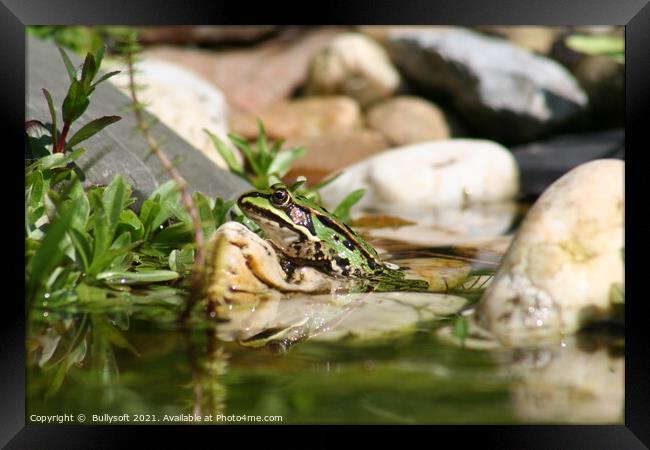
(541, 163)
(505, 92)
(120, 148)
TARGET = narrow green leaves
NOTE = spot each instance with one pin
(342, 211)
(72, 72)
(50, 106)
(51, 251)
(90, 129)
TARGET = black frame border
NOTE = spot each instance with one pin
(634, 14)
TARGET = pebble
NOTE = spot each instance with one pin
(352, 64)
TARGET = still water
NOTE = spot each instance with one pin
(388, 362)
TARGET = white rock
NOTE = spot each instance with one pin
(183, 101)
(559, 270)
(354, 65)
(442, 173)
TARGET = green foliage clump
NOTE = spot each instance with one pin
(88, 244)
(266, 164)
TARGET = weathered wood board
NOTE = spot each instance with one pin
(120, 148)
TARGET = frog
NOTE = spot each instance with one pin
(308, 235)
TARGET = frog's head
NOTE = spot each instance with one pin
(284, 217)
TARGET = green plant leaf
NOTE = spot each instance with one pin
(174, 235)
(75, 103)
(220, 211)
(50, 106)
(148, 212)
(101, 228)
(90, 129)
(58, 160)
(596, 45)
(82, 244)
(104, 260)
(114, 198)
(88, 71)
(72, 72)
(50, 253)
(342, 211)
(283, 161)
(142, 277)
(98, 54)
(105, 77)
(226, 153)
(123, 245)
(205, 213)
(247, 151)
(324, 183)
(263, 151)
(130, 222)
(181, 261)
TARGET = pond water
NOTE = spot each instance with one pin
(130, 358)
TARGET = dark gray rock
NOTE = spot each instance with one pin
(541, 163)
(505, 92)
(603, 79)
(119, 148)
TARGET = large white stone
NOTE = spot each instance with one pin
(353, 64)
(559, 270)
(183, 101)
(442, 173)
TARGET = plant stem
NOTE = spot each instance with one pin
(198, 270)
(64, 133)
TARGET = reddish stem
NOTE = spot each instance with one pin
(64, 133)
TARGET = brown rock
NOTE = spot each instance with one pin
(380, 33)
(355, 65)
(534, 38)
(329, 153)
(304, 118)
(254, 78)
(604, 80)
(210, 34)
(407, 120)
(601, 76)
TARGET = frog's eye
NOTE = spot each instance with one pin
(280, 197)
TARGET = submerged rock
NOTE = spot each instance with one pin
(567, 254)
(450, 226)
(447, 173)
(408, 120)
(504, 91)
(354, 65)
